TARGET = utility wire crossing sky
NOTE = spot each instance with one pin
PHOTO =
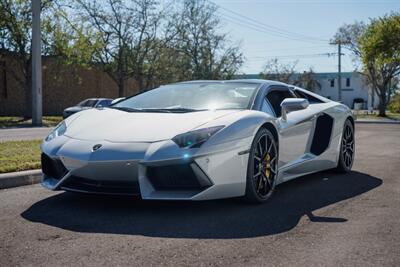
(295, 30)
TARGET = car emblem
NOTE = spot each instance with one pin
(96, 147)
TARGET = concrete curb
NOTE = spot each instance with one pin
(14, 179)
(377, 122)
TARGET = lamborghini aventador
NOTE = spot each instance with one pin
(200, 140)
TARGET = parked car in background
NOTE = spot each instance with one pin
(117, 100)
(87, 104)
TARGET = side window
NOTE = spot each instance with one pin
(267, 108)
(311, 99)
(275, 98)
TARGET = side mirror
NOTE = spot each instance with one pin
(293, 104)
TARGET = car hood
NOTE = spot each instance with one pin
(120, 126)
(73, 109)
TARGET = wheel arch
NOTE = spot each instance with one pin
(269, 126)
(351, 119)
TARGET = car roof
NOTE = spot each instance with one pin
(256, 81)
(97, 99)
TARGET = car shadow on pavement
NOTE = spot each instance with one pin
(210, 219)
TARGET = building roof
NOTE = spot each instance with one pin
(320, 75)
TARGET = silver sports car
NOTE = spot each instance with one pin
(200, 140)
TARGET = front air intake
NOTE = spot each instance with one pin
(53, 167)
(178, 177)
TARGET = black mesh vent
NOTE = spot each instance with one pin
(102, 187)
(53, 168)
(322, 134)
(174, 177)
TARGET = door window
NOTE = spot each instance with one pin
(275, 98)
(266, 107)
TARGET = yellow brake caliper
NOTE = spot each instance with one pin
(268, 165)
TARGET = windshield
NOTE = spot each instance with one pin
(88, 103)
(193, 96)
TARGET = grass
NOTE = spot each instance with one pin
(48, 121)
(389, 115)
(19, 155)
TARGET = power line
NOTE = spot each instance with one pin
(277, 30)
(262, 30)
(296, 56)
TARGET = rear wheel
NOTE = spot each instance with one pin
(262, 167)
(347, 148)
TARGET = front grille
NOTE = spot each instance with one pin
(176, 177)
(102, 187)
(53, 168)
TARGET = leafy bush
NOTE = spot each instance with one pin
(394, 105)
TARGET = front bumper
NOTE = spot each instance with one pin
(159, 170)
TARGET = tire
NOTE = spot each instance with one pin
(262, 168)
(347, 148)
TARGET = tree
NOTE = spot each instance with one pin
(380, 53)
(349, 35)
(275, 70)
(359, 38)
(127, 31)
(307, 81)
(200, 50)
(15, 39)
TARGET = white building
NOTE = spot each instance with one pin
(353, 87)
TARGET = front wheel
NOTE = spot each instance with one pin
(262, 167)
(347, 148)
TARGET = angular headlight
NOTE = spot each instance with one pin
(195, 138)
(58, 131)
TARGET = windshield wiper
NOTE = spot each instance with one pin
(181, 110)
(127, 109)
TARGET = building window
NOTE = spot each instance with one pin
(333, 83)
(347, 82)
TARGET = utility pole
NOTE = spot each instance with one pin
(339, 71)
(36, 65)
(339, 44)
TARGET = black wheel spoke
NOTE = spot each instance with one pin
(347, 149)
(265, 165)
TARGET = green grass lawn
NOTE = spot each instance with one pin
(20, 122)
(19, 155)
(389, 115)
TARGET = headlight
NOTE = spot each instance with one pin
(195, 138)
(58, 131)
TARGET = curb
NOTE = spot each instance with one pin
(14, 179)
(377, 122)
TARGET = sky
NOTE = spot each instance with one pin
(293, 30)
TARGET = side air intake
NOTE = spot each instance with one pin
(322, 134)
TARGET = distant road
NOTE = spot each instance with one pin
(24, 133)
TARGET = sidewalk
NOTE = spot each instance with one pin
(378, 121)
(14, 179)
(17, 134)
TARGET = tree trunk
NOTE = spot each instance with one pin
(382, 105)
(121, 88)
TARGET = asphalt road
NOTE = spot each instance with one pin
(24, 133)
(323, 219)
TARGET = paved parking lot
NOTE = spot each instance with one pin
(323, 219)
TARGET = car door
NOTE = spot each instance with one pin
(295, 131)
